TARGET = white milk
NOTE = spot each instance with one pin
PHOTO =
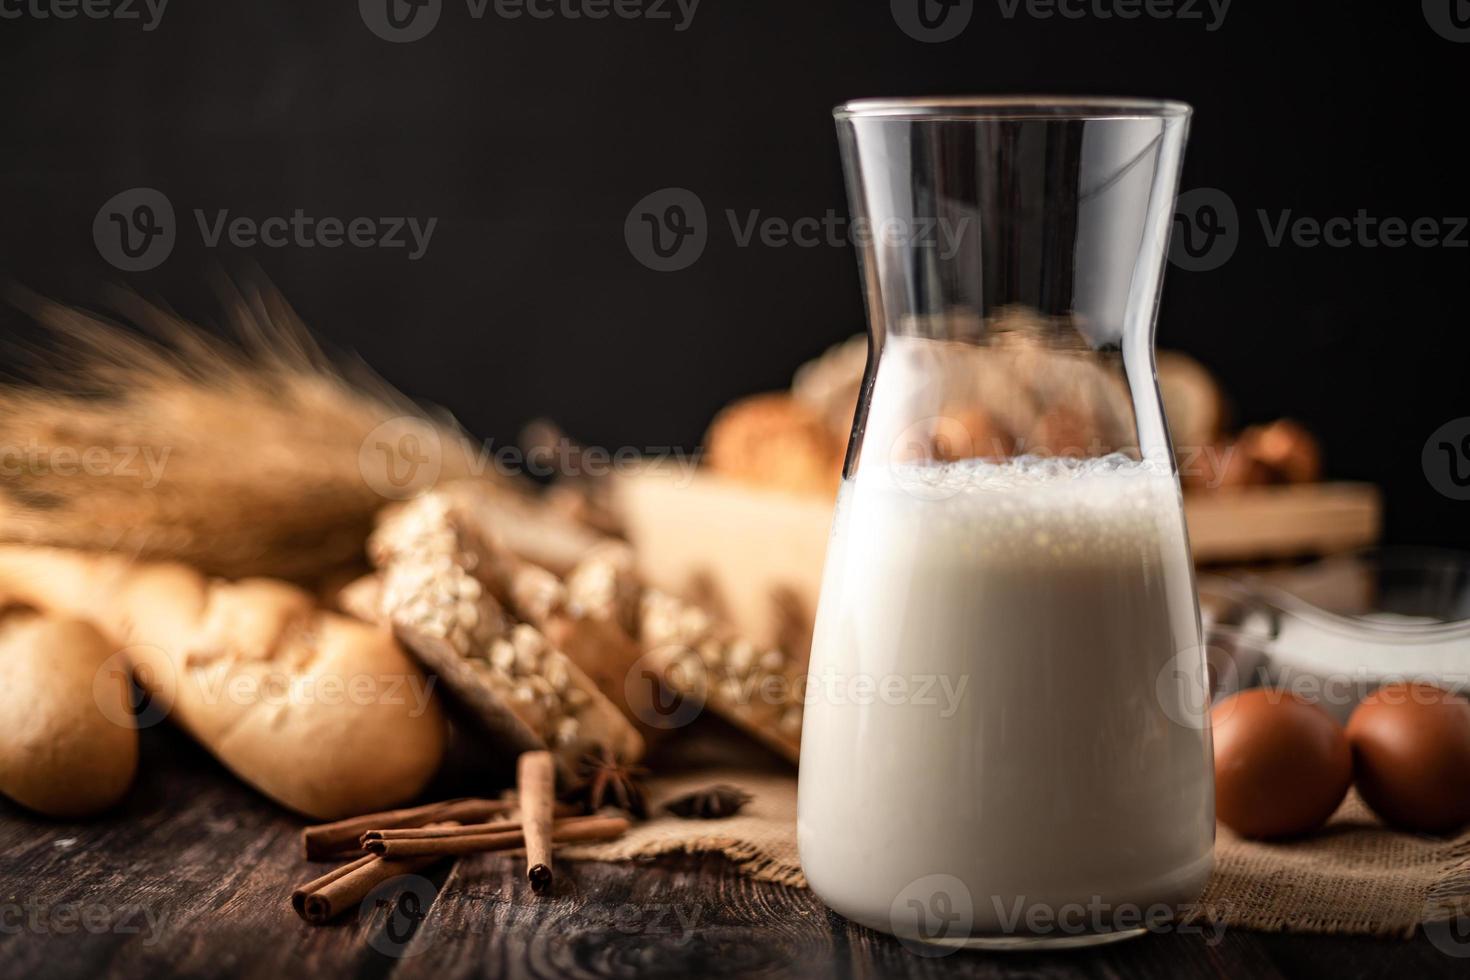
(994, 695)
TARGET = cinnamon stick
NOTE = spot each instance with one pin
(491, 827)
(536, 786)
(299, 896)
(463, 830)
(332, 894)
(339, 839)
(576, 829)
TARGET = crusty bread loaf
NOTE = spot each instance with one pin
(68, 747)
(446, 580)
(322, 713)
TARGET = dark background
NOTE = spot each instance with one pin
(530, 140)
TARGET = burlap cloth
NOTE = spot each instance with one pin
(1354, 876)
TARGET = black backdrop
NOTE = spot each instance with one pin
(530, 140)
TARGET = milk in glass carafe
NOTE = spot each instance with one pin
(1006, 736)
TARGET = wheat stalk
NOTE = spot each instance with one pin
(163, 441)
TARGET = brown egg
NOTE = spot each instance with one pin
(1282, 765)
(1411, 756)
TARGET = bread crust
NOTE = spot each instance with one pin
(324, 714)
(69, 747)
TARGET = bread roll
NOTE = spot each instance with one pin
(68, 747)
(322, 713)
(775, 441)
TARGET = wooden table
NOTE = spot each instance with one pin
(192, 875)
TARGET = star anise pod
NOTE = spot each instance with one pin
(610, 781)
(710, 803)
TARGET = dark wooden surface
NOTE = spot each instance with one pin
(191, 878)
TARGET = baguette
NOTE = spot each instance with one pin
(326, 715)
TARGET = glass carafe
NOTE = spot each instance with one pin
(1006, 738)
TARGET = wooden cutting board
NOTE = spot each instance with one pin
(755, 555)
